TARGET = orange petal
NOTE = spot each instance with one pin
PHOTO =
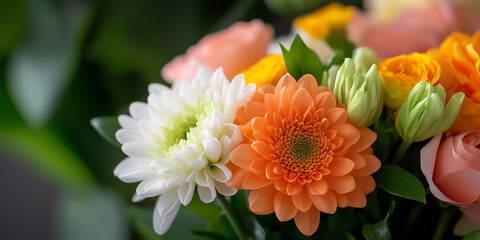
(319, 187)
(237, 178)
(367, 137)
(258, 166)
(242, 155)
(326, 203)
(307, 222)
(262, 137)
(342, 200)
(309, 82)
(366, 183)
(264, 90)
(372, 164)
(241, 116)
(302, 100)
(357, 159)
(302, 201)
(336, 116)
(341, 184)
(293, 188)
(253, 181)
(356, 198)
(325, 100)
(284, 207)
(263, 149)
(348, 132)
(261, 200)
(255, 109)
(340, 166)
(285, 81)
(271, 104)
(247, 131)
(259, 124)
(281, 185)
(270, 173)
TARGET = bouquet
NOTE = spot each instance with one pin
(357, 123)
(312, 132)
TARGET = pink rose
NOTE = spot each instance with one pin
(415, 30)
(451, 165)
(234, 49)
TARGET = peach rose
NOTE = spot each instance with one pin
(451, 165)
(415, 30)
(234, 49)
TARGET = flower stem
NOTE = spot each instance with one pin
(400, 152)
(232, 218)
(442, 224)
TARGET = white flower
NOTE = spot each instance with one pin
(181, 140)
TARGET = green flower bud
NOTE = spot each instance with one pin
(361, 93)
(364, 58)
(425, 114)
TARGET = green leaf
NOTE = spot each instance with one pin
(399, 182)
(301, 60)
(107, 127)
(182, 227)
(12, 26)
(475, 235)
(95, 215)
(380, 230)
(387, 136)
(40, 68)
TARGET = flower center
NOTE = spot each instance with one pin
(302, 150)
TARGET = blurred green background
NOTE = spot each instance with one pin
(65, 62)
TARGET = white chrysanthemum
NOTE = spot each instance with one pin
(181, 139)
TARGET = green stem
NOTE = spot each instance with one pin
(231, 217)
(442, 224)
(400, 152)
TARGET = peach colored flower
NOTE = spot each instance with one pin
(459, 57)
(415, 30)
(300, 155)
(234, 49)
(451, 165)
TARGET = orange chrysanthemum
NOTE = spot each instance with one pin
(300, 155)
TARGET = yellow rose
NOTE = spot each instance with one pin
(400, 74)
(319, 23)
(268, 70)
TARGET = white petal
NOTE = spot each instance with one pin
(156, 88)
(212, 149)
(161, 224)
(220, 172)
(202, 179)
(137, 198)
(185, 193)
(127, 122)
(139, 110)
(133, 170)
(152, 187)
(177, 180)
(199, 163)
(142, 150)
(168, 202)
(124, 136)
(224, 189)
(207, 194)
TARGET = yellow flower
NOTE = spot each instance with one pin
(400, 74)
(268, 70)
(319, 23)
